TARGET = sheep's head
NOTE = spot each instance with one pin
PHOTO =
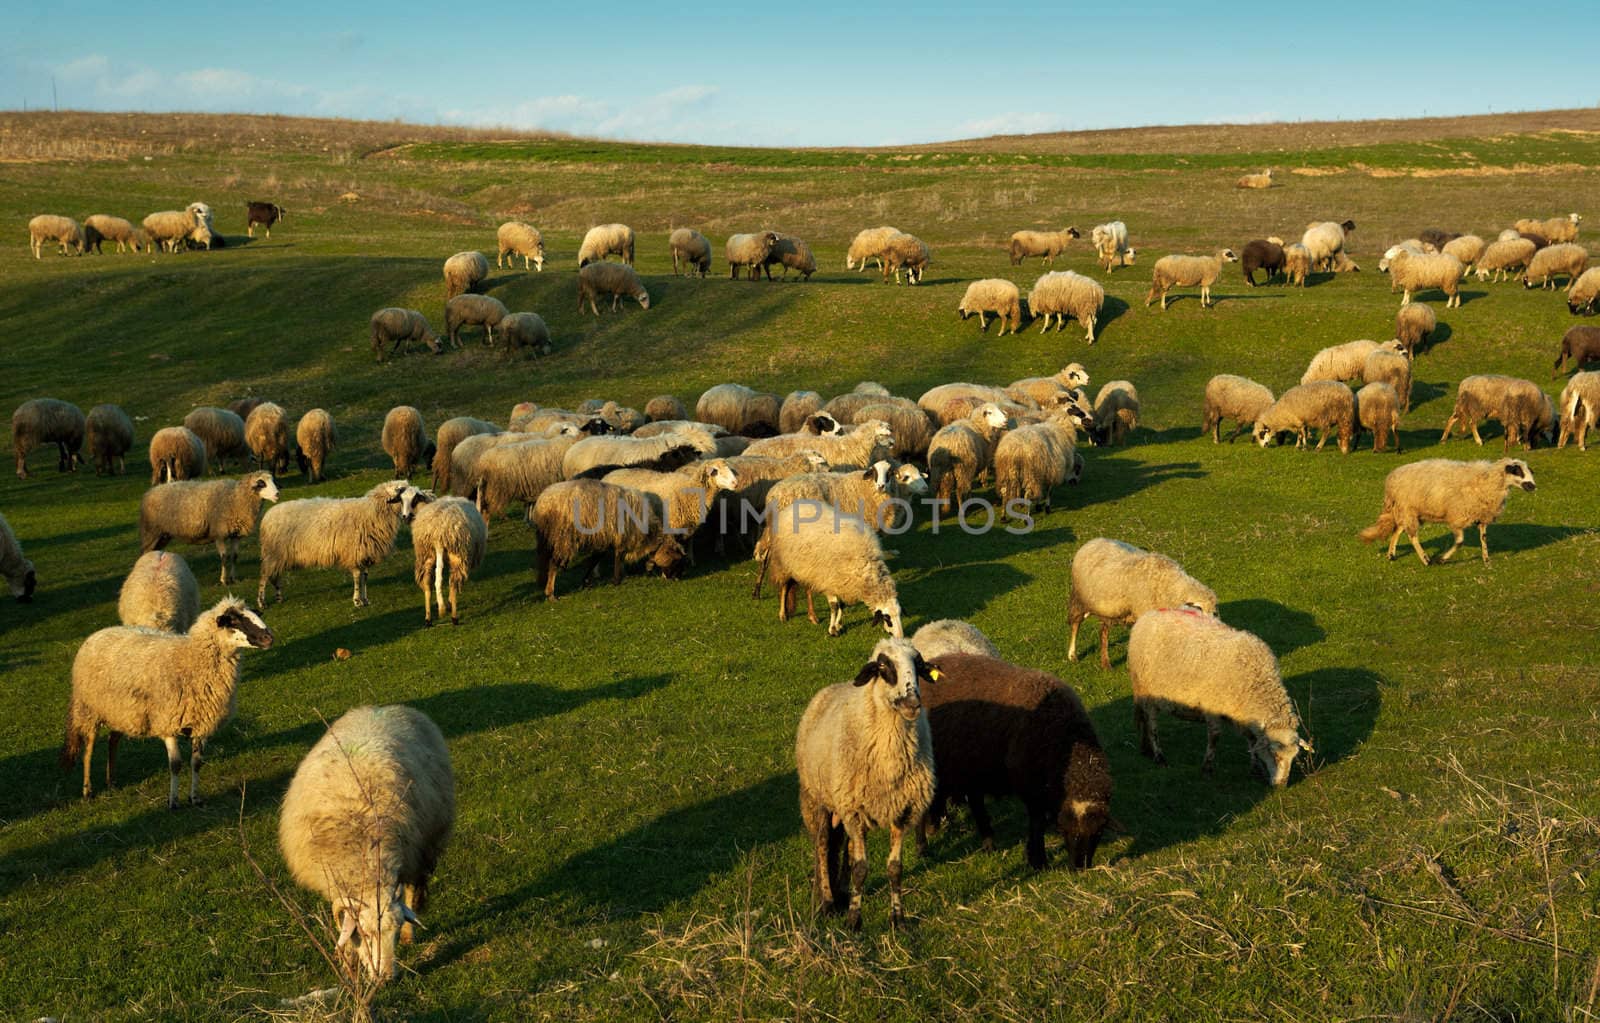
(1273, 752)
(991, 415)
(911, 480)
(897, 665)
(720, 475)
(887, 615)
(368, 931)
(262, 483)
(669, 557)
(1127, 256)
(882, 438)
(824, 425)
(412, 500)
(1073, 375)
(390, 492)
(595, 426)
(643, 296)
(1517, 473)
(1265, 435)
(1227, 256)
(878, 472)
(22, 586)
(238, 625)
(1085, 805)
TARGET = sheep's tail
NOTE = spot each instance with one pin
(1383, 527)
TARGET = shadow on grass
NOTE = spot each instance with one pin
(959, 591)
(1422, 391)
(1284, 629)
(86, 535)
(1441, 334)
(1112, 479)
(1111, 310)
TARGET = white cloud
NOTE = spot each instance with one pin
(678, 113)
(1014, 123)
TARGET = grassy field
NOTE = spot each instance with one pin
(628, 843)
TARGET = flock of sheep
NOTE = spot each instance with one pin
(804, 484)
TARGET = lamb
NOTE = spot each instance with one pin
(145, 683)
(835, 555)
(170, 228)
(587, 516)
(1117, 582)
(1116, 411)
(108, 432)
(1378, 410)
(797, 407)
(463, 272)
(364, 823)
(993, 295)
(1582, 292)
(862, 445)
(1193, 665)
(517, 472)
(1457, 494)
(221, 431)
(606, 240)
(525, 330)
(685, 494)
(159, 593)
(1389, 364)
(1565, 258)
(1047, 390)
(868, 244)
(1296, 264)
(1261, 254)
(999, 729)
(484, 311)
(791, 253)
(352, 533)
(176, 453)
(315, 437)
(601, 279)
(1468, 248)
(1062, 294)
(15, 568)
(264, 213)
(1187, 271)
(691, 252)
(739, 410)
(41, 421)
(1580, 345)
(1519, 405)
(1046, 244)
(676, 449)
(1111, 245)
(952, 636)
(449, 538)
(102, 227)
(963, 451)
(1232, 397)
(1324, 240)
(1325, 405)
(452, 432)
(395, 326)
(1032, 460)
(864, 756)
(1414, 324)
(64, 231)
(905, 252)
(514, 238)
(1580, 408)
(1503, 256)
(404, 438)
(1261, 180)
(912, 427)
(1557, 229)
(266, 432)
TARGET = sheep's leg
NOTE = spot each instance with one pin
(1105, 644)
(222, 555)
(197, 748)
(858, 873)
(980, 819)
(88, 753)
(356, 580)
(1416, 545)
(786, 600)
(1144, 719)
(983, 324)
(811, 608)
(897, 836)
(112, 739)
(835, 616)
(1037, 818)
(1483, 540)
(1476, 439)
(1075, 616)
(1460, 535)
(1213, 729)
(174, 765)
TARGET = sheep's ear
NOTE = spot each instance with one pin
(868, 672)
(928, 671)
(868, 474)
(409, 916)
(347, 929)
(1305, 746)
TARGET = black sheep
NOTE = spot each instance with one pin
(1580, 344)
(1261, 255)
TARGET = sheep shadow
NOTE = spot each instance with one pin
(1514, 537)
(364, 632)
(1285, 629)
(1441, 333)
(1113, 479)
(1111, 310)
(959, 591)
(1423, 392)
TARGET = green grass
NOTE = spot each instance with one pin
(628, 841)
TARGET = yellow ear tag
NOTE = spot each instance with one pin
(934, 673)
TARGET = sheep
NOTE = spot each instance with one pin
(169, 228)
(1580, 345)
(15, 568)
(144, 683)
(843, 407)
(606, 240)
(705, 435)
(999, 729)
(448, 537)
(514, 238)
(864, 757)
(1557, 229)
(246, 405)
(905, 252)
(1296, 264)
(1468, 248)
(738, 409)
(1187, 271)
(1045, 390)
(952, 636)
(1389, 364)
(395, 326)
(1580, 408)
(797, 407)
(484, 311)
(518, 471)
(404, 438)
(108, 433)
(1325, 405)
(159, 593)
(1457, 494)
(868, 245)
(1378, 410)
(912, 427)
(263, 213)
(1063, 293)
(1412, 272)
(860, 446)
(584, 516)
(1117, 582)
(1324, 239)
(791, 253)
(1260, 254)
(993, 295)
(748, 252)
(1503, 256)
(1110, 242)
(266, 433)
(1565, 258)
(666, 451)
(64, 231)
(1521, 407)
(352, 533)
(221, 431)
(525, 330)
(685, 494)
(1261, 180)
(601, 279)
(833, 554)
(452, 432)
(1046, 244)
(1414, 324)
(757, 475)
(1344, 264)
(1116, 412)
(961, 452)
(364, 822)
(1583, 291)
(1194, 665)
(176, 453)
(102, 227)
(1232, 397)
(40, 421)
(691, 252)
(1031, 461)
(463, 272)
(949, 403)
(874, 495)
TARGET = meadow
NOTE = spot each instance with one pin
(628, 844)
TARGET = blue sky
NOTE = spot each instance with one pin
(798, 74)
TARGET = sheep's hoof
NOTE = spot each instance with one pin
(835, 630)
(897, 917)
(357, 601)
(1160, 758)
(853, 920)
(454, 620)
(427, 623)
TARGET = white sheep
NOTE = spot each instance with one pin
(202, 511)
(395, 326)
(993, 295)
(64, 231)
(962, 451)
(906, 252)
(514, 238)
(517, 472)
(1048, 390)
(452, 432)
(352, 533)
(316, 437)
(1504, 256)
(222, 431)
(484, 311)
(1414, 324)
(266, 434)
(749, 252)
(1458, 494)
(1556, 229)
(1110, 242)
(691, 252)
(1468, 248)
(1063, 294)
(1325, 239)
(1520, 405)
(159, 593)
(1297, 263)
(101, 227)
(1047, 244)
(1566, 258)
(449, 538)
(739, 409)
(860, 446)
(1261, 180)
(525, 330)
(1583, 291)
(613, 280)
(1378, 410)
(405, 440)
(867, 245)
(1032, 460)
(587, 516)
(685, 494)
(1339, 362)
(1390, 364)
(1232, 397)
(1325, 405)
(41, 421)
(108, 434)
(176, 453)
(15, 568)
(1580, 409)
(606, 240)
(170, 228)
(1413, 272)
(1116, 412)
(463, 272)
(591, 453)
(833, 554)
(1117, 582)
(1186, 272)
(952, 636)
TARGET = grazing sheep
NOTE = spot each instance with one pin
(999, 729)
(525, 330)
(993, 295)
(1111, 245)
(15, 568)
(961, 452)
(484, 311)
(449, 538)
(1261, 180)
(517, 472)
(41, 421)
(1457, 494)
(664, 406)
(159, 593)
(170, 228)
(905, 252)
(599, 280)
(316, 438)
(264, 213)
(1414, 324)
(514, 238)
(1062, 293)
(868, 244)
(176, 453)
(1297, 264)
(1468, 248)
(352, 533)
(246, 405)
(1557, 229)
(952, 636)
(1116, 412)
(1047, 390)
(949, 403)
(1046, 244)
(606, 240)
(833, 554)
(1566, 258)
(691, 252)
(1195, 666)
(222, 432)
(664, 451)
(1378, 410)
(739, 409)
(791, 253)
(1232, 397)
(452, 432)
(1261, 254)
(1520, 405)
(463, 272)
(364, 823)
(797, 407)
(143, 683)
(1032, 460)
(395, 326)
(860, 446)
(1583, 291)
(1580, 408)
(1325, 405)
(1504, 256)
(108, 433)
(587, 516)
(266, 433)
(864, 757)
(749, 252)
(1580, 345)
(64, 231)
(102, 227)
(1389, 364)
(1117, 582)
(1324, 240)
(1186, 272)
(404, 438)
(1339, 362)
